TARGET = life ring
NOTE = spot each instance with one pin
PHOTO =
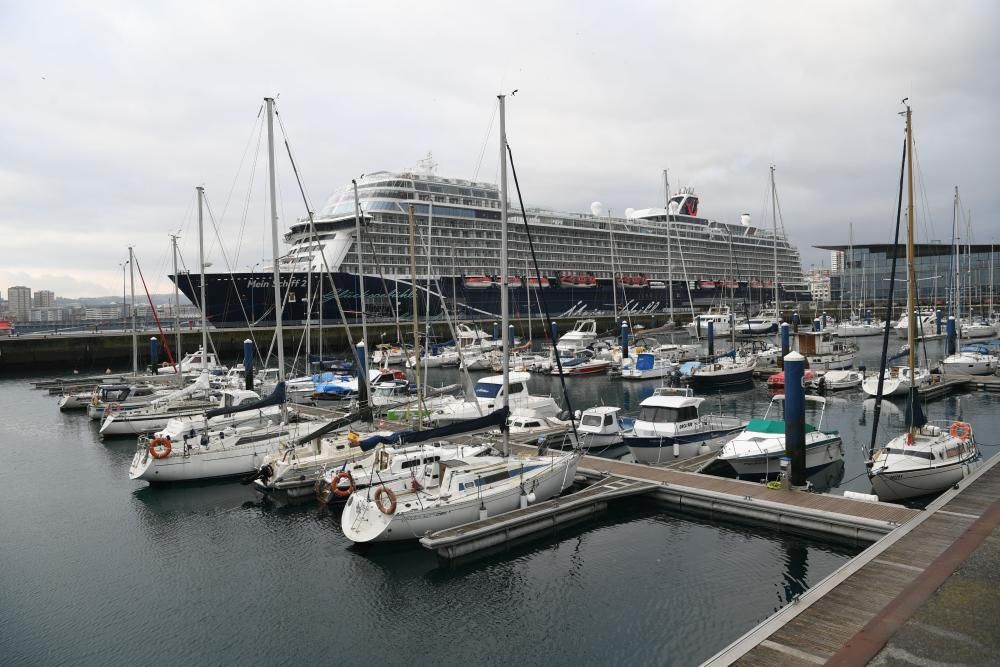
(353, 439)
(160, 447)
(382, 493)
(339, 491)
(960, 430)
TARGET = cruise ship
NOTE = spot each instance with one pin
(457, 222)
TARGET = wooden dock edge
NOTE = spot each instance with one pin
(766, 628)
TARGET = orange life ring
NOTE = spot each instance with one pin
(380, 495)
(339, 491)
(160, 447)
(960, 430)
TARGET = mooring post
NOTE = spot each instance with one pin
(796, 320)
(824, 320)
(816, 324)
(624, 341)
(248, 364)
(952, 335)
(510, 336)
(154, 352)
(361, 356)
(711, 338)
(786, 343)
(868, 317)
(795, 418)
(937, 321)
(496, 333)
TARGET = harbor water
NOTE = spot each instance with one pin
(97, 569)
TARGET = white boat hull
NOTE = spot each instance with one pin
(818, 453)
(207, 464)
(893, 486)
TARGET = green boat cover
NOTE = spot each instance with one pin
(772, 426)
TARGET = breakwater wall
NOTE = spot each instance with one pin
(76, 350)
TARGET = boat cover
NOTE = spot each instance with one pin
(495, 419)
(277, 397)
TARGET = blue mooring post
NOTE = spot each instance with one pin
(361, 360)
(950, 349)
(786, 344)
(824, 320)
(796, 320)
(555, 339)
(816, 324)
(711, 338)
(624, 341)
(795, 418)
(868, 317)
(154, 352)
(937, 321)
(510, 336)
(248, 364)
(496, 332)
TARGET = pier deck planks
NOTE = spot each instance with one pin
(824, 626)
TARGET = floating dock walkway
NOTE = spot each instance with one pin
(833, 516)
(848, 617)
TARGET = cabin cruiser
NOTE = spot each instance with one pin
(647, 366)
(726, 371)
(582, 335)
(758, 449)
(765, 322)
(824, 352)
(489, 397)
(670, 426)
(926, 323)
(193, 363)
(601, 427)
(583, 362)
(124, 397)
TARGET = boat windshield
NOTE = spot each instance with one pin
(591, 420)
(668, 415)
(487, 390)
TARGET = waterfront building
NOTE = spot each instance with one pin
(103, 313)
(819, 284)
(836, 261)
(44, 298)
(19, 297)
(867, 269)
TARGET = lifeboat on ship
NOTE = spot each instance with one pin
(477, 282)
(706, 284)
(513, 281)
(577, 280)
(634, 281)
(537, 282)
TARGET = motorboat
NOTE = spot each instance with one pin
(935, 457)
(582, 335)
(970, 360)
(601, 427)
(124, 397)
(342, 386)
(757, 450)
(647, 366)
(452, 492)
(839, 380)
(488, 396)
(824, 352)
(670, 426)
(193, 363)
(720, 317)
(725, 371)
(583, 362)
(532, 429)
(387, 354)
(897, 381)
(765, 322)
(926, 323)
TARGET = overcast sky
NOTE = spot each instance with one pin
(117, 110)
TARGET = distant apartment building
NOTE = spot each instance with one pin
(103, 313)
(819, 284)
(836, 261)
(48, 314)
(19, 297)
(44, 298)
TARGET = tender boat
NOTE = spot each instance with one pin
(670, 426)
(758, 449)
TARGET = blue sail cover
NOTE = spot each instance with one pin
(277, 397)
(644, 362)
(495, 419)
(914, 413)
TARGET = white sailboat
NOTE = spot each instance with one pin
(450, 493)
(928, 457)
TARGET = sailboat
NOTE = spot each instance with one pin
(928, 457)
(445, 494)
(238, 448)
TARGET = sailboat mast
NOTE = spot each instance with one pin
(614, 289)
(201, 268)
(504, 296)
(670, 263)
(774, 241)
(177, 313)
(911, 273)
(958, 272)
(850, 258)
(135, 334)
(361, 279)
(274, 240)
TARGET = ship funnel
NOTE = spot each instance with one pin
(597, 208)
(745, 219)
